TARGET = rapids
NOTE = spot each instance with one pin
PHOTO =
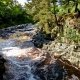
(18, 65)
(17, 69)
(26, 62)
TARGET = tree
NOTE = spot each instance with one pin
(42, 14)
(12, 13)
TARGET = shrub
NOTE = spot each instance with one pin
(71, 34)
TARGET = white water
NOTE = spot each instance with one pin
(18, 63)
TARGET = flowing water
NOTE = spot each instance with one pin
(18, 65)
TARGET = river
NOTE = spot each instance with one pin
(17, 68)
(26, 62)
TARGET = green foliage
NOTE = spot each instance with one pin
(12, 13)
(72, 35)
(51, 15)
(42, 14)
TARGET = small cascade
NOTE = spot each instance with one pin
(18, 64)
(26, 62)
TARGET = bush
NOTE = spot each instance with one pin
(71, 34)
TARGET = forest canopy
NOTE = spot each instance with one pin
(12, 13)
(57, 18)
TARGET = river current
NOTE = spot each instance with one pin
(18, 65)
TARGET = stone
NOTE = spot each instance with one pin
(2, 67)
(52, 71)
(51, 68)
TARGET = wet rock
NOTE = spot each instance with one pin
(56, 71)
(52, 71)
(9, 43)
(8, 76)
(46, 70)
(27, 44)
(38, 40)
(2, 67)
(70, 68)
(54, 68)
(22, 78)
(6, 33)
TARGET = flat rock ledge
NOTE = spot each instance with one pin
(50, 67)
(46, 66)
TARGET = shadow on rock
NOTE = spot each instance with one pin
(55, 69)
(2, 67)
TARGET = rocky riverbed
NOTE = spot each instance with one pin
(25, 61)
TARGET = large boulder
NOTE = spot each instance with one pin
(38, 40)
(54, 68)
(48, 71)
